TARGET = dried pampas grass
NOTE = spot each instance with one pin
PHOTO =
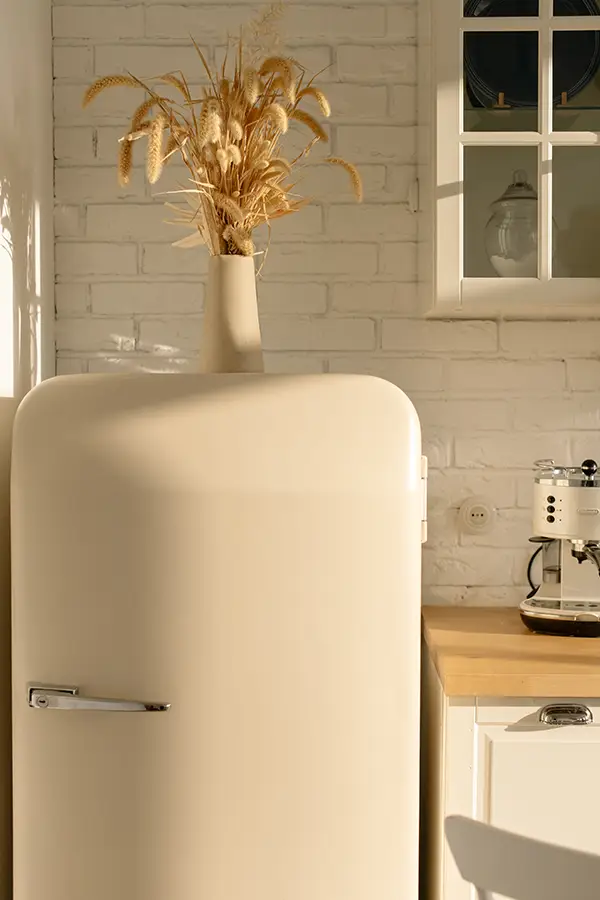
(279, 65)
(230, 207)
(319, 97)
(179, 83)
(251, 86)
(306, 119)
(125, 162)
(278, 116)
(288, 89)
(352, 171)
(230, 140)
(240, 239)
(154, 158)
(108, 81)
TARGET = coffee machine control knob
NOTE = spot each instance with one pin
(589, 467)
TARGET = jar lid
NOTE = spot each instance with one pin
(519, 189)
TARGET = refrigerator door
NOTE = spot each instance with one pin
(244, 553)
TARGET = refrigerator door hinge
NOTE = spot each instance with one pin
(424, 471)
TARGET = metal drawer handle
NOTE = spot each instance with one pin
(50, 697)
(566, 714)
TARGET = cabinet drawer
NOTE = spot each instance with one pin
(525, 711)
(534, 779)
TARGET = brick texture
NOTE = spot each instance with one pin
(339, 290)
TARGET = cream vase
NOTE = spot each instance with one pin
(231, 339)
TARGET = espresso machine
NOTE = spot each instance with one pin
(566, 523)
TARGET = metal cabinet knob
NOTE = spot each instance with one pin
(566, 714)
(50, 697)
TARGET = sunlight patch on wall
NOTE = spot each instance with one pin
(36, 324)
(7, 321)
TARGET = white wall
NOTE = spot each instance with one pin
(339, 292)
(26, 239)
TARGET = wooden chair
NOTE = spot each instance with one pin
(518, 867)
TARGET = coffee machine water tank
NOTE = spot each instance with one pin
(566, 501)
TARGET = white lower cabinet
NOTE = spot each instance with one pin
(494, 760)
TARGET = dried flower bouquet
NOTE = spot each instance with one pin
(230, 139)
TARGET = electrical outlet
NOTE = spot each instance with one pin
(476, 515)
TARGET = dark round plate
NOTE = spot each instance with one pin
(507, 62)
(502, 8)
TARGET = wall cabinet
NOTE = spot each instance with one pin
(509, 174)
(494, 760)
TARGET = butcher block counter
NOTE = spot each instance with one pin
(511, 734)
(489, 652)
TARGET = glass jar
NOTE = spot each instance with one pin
(511, 234)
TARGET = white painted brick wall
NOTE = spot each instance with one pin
(339, 290)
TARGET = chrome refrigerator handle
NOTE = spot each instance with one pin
(50, 697)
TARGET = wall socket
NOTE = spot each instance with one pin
(476, 515)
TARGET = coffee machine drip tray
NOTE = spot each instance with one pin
(569, 619)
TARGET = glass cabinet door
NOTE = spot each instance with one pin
(500, 212)
(576, 81)
(524, 183)
(576, 212)
(501, 81)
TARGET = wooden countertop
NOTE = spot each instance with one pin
(490, 653)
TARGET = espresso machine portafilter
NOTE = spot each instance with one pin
(566, 523)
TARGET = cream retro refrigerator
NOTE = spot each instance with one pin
(216, 639)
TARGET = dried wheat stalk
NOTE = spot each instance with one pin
(230, 139)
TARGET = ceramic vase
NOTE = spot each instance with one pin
(231, 340)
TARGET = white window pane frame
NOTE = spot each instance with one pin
(455, 295)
